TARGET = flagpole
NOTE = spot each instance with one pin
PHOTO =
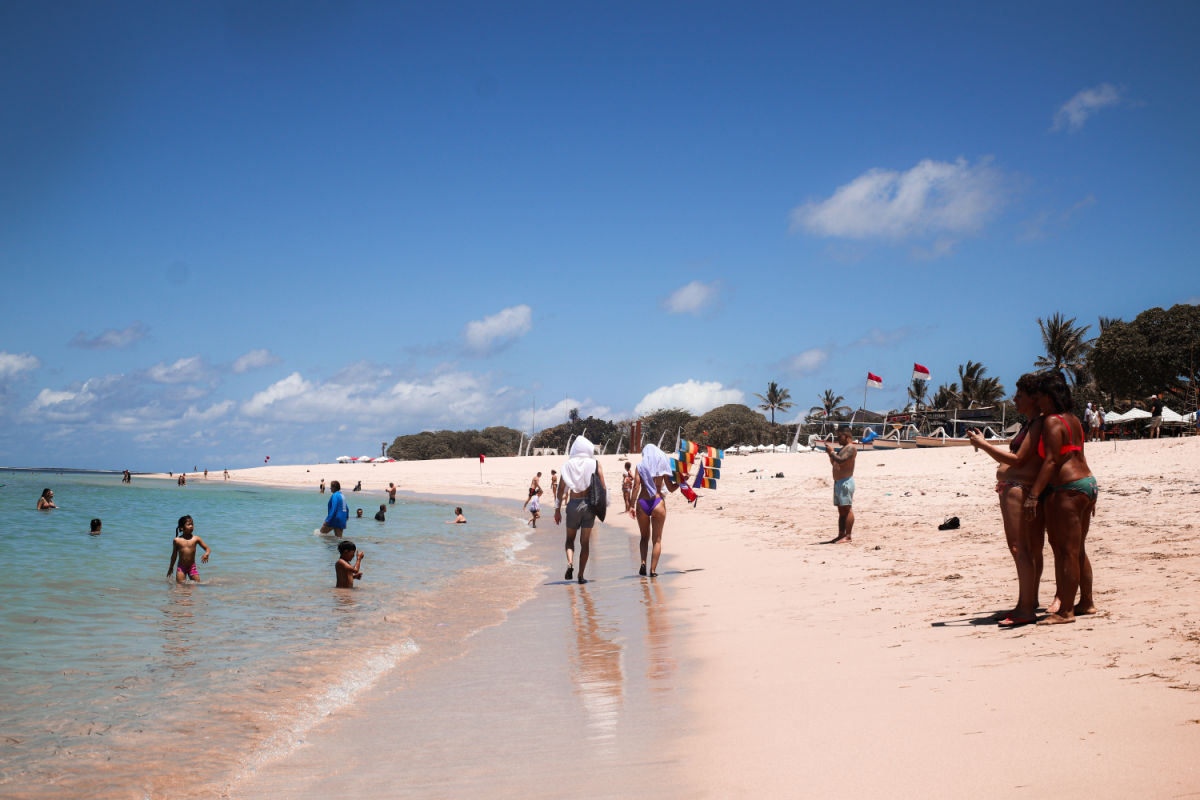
(865, 385)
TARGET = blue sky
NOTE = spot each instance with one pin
(236, 230)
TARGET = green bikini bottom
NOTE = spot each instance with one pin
(1085, 486)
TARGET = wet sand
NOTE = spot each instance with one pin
(784, 667)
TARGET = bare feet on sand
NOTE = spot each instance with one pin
(1055, 619)
(1082, 610)
(1054, 606)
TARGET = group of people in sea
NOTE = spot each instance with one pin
(1045, 489)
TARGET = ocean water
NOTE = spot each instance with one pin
(116, 681)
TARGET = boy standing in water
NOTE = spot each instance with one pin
(185, 550)
(347, 573)
(381, 514)
(339, 512)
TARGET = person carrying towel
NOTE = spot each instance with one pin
(650, 508)
(573, 488)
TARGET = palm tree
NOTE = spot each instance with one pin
(831, 404)
(946, 397)
(1066, 349)
(977, 389)
(775, 398)
(917, 392)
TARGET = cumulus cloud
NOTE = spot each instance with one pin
(695, 396)
(691, 298)
(255, 359)
(875, 336)
(185, 370)
(13, 364)
(933, 199)
(111, 339)
(809, 360)
(1072, 114)
(497, 331)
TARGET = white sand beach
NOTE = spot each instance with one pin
(762, 663)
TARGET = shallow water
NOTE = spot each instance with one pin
(115, 678)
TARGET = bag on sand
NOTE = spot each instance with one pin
(597, 499)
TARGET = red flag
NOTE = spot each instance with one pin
(920, 373)
(874, 380)
(481, 458)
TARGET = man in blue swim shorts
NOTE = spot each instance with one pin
(842, 460)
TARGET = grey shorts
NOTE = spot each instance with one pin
(579, 515)
(1155, 422)
(843, 492)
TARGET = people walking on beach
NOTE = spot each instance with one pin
(226, 474)
(1070, 502)
(554, 483)
(96, 525)
(46, 501)
(184, 549)
(576, 481)
(1156, 409)
(391, 491)
(459, 519)
(535, 489)
(653, 476)
(842, 460)
(627, 486)
(1089, 422)
(381, 514)
(535, 507)
(322, 487)
(1100, 422)
(126, 477)
(346, 572)
(1017, 469)
(338, 512)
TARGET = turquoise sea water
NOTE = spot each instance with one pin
(114, 677)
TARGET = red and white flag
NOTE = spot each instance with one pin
(874, 380)
(920, 373)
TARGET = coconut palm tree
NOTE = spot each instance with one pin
(946, 396)
(775, 398)
(917, 392)
(831, 405)
(1066, 347)
(977, 388)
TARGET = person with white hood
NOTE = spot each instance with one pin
(573, 489)
(650, 508)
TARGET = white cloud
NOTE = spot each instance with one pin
(875, 336)
(695, 396)
(933, 199)
(185, 370)
(809, 360)
(12, 364)
(493, 333)
(255, 359)
(1072, 114)
(691, 298)
(111, 339)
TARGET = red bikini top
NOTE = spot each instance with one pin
(1066, 448)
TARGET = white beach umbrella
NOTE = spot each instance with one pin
(781, 448)
(380, 460)
(1171, 416)
(1135, 413)
(364, 459)
(344, 459)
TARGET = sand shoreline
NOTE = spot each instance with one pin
(867, 668)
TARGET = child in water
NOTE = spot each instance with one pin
(535, 508)
(459, 519)
(96, 523)
(185, 550)
(381, 514)
(346, 572)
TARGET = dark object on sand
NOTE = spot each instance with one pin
(949, 525)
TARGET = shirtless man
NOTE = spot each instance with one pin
(535, 488)
(843, 483)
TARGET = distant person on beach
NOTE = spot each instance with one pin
(206, 474)
(1100, 422)
(1089, 422)
(1071, 490)
(535, 489)
(346, 572)
(184, 549)
(1017, 470)
(653, 475)
(126, 477)
(226, 474)
(46, 501)
(535, 507)
(322, 487)
(338, 512)
(96, 524)
(554, 483)
(842, 460)
(627, 487)
(577, 475)
(391, 490)
(359, 514)
(459, 519)
(1156, 409)
(357, 487)
(381, 514)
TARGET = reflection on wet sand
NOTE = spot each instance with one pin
(179, 619)
(660, 668)
(596, 667)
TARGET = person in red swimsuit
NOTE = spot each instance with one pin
(1069, 489)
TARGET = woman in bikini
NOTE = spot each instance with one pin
(1017, 470)
(650, 510)
(627, 486)
(1070, 499)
